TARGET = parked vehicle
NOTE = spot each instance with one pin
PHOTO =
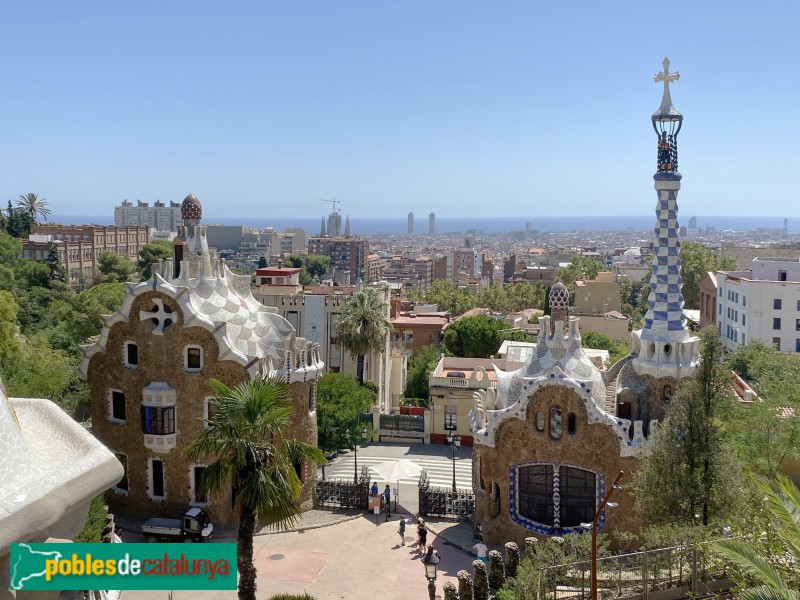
(194, 526)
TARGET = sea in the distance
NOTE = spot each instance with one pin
(393, 225)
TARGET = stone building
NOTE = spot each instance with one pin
(149, 371)
(555, 433)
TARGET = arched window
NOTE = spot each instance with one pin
(555, 422)
(571, 423)
(539, 485)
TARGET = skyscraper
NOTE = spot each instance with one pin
(431, 223)
(410, 222)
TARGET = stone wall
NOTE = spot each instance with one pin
(161, 359)
(592, 447)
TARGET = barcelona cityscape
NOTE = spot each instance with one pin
(322, 301)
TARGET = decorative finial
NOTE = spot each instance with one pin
(666, 108)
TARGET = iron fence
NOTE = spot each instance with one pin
(337, 493)
(439, 502)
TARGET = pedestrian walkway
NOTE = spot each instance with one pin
(355, 557)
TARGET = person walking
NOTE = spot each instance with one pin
(387, 494)
(431, 556)
(402, 531)
(482, 551)
(422, 536)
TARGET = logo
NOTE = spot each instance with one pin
(123, 567)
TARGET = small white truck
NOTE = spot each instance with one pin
(194, 526)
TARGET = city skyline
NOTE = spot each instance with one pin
(450, 108)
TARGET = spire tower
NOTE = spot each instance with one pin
(663, 347)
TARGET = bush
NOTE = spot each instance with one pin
(304, 596)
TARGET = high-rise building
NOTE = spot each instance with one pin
(431, 223)
(159, 216)
(410, 222)
(334, 224)
(346, 254)
(693, 223)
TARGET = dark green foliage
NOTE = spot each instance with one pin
(696, 261)
(93, 529)
(448, 297)
(262, 262)
(152, 253)
(767, 432)
(316, 265)
(114, 267)
(293, 260)
(339, 401)
(690, 475)
(617, 349)
(419, 369)
(479, 336)
(53, 262)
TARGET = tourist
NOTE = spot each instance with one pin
(387, 493)
(482, 551)
(422, 536)
(373, 491)
(431, 556)
(479, 532)
(402, 531)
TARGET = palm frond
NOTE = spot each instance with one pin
(764, 592)
(747, 558)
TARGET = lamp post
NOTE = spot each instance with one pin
(430, 575)
(593, 525)
(455, 441)
(355, 450)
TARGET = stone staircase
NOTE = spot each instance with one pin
(611, 397)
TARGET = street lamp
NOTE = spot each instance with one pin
(430, 575)
(593, 526)
(455, 441)
(355, 450)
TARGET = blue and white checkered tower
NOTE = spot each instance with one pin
(663, 347)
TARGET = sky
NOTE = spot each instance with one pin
(464, 108)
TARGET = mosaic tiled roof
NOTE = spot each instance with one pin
(191, 209)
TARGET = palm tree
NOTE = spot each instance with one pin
(248, 442)
(779, 578)
(36, 208)
(363, 326)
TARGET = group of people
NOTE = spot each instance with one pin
(386, 496)
(430, 555)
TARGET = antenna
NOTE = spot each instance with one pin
(334, 202)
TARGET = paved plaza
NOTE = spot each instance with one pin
(351, 554)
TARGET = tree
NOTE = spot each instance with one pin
(363, 326)
(479, 336)
(419, 369)
(249, 444)
(581, 267)
(293, 260)
(317, 265)
(263, 263)
(17, 222)
(114, 267)
(34, 207)
(53, 262)
(774, 568)
(447, 296)
(767, 431)
(617, 349)
(152, 253)
(339, 401)
(690, 472)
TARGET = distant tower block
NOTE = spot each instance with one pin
(663, 347)
(410, 222)
(693, 223)
(785, 228)
(431, 223)
(559, 307)
(347, 226)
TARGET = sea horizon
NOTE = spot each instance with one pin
(487, 225)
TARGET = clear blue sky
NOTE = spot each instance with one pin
(459, 107)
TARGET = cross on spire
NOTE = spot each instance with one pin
(667, 77)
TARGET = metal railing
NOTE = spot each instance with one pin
(662, 574)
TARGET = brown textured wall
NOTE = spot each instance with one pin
(161, 359)
(592, 447)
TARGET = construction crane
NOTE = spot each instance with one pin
(334, 202)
